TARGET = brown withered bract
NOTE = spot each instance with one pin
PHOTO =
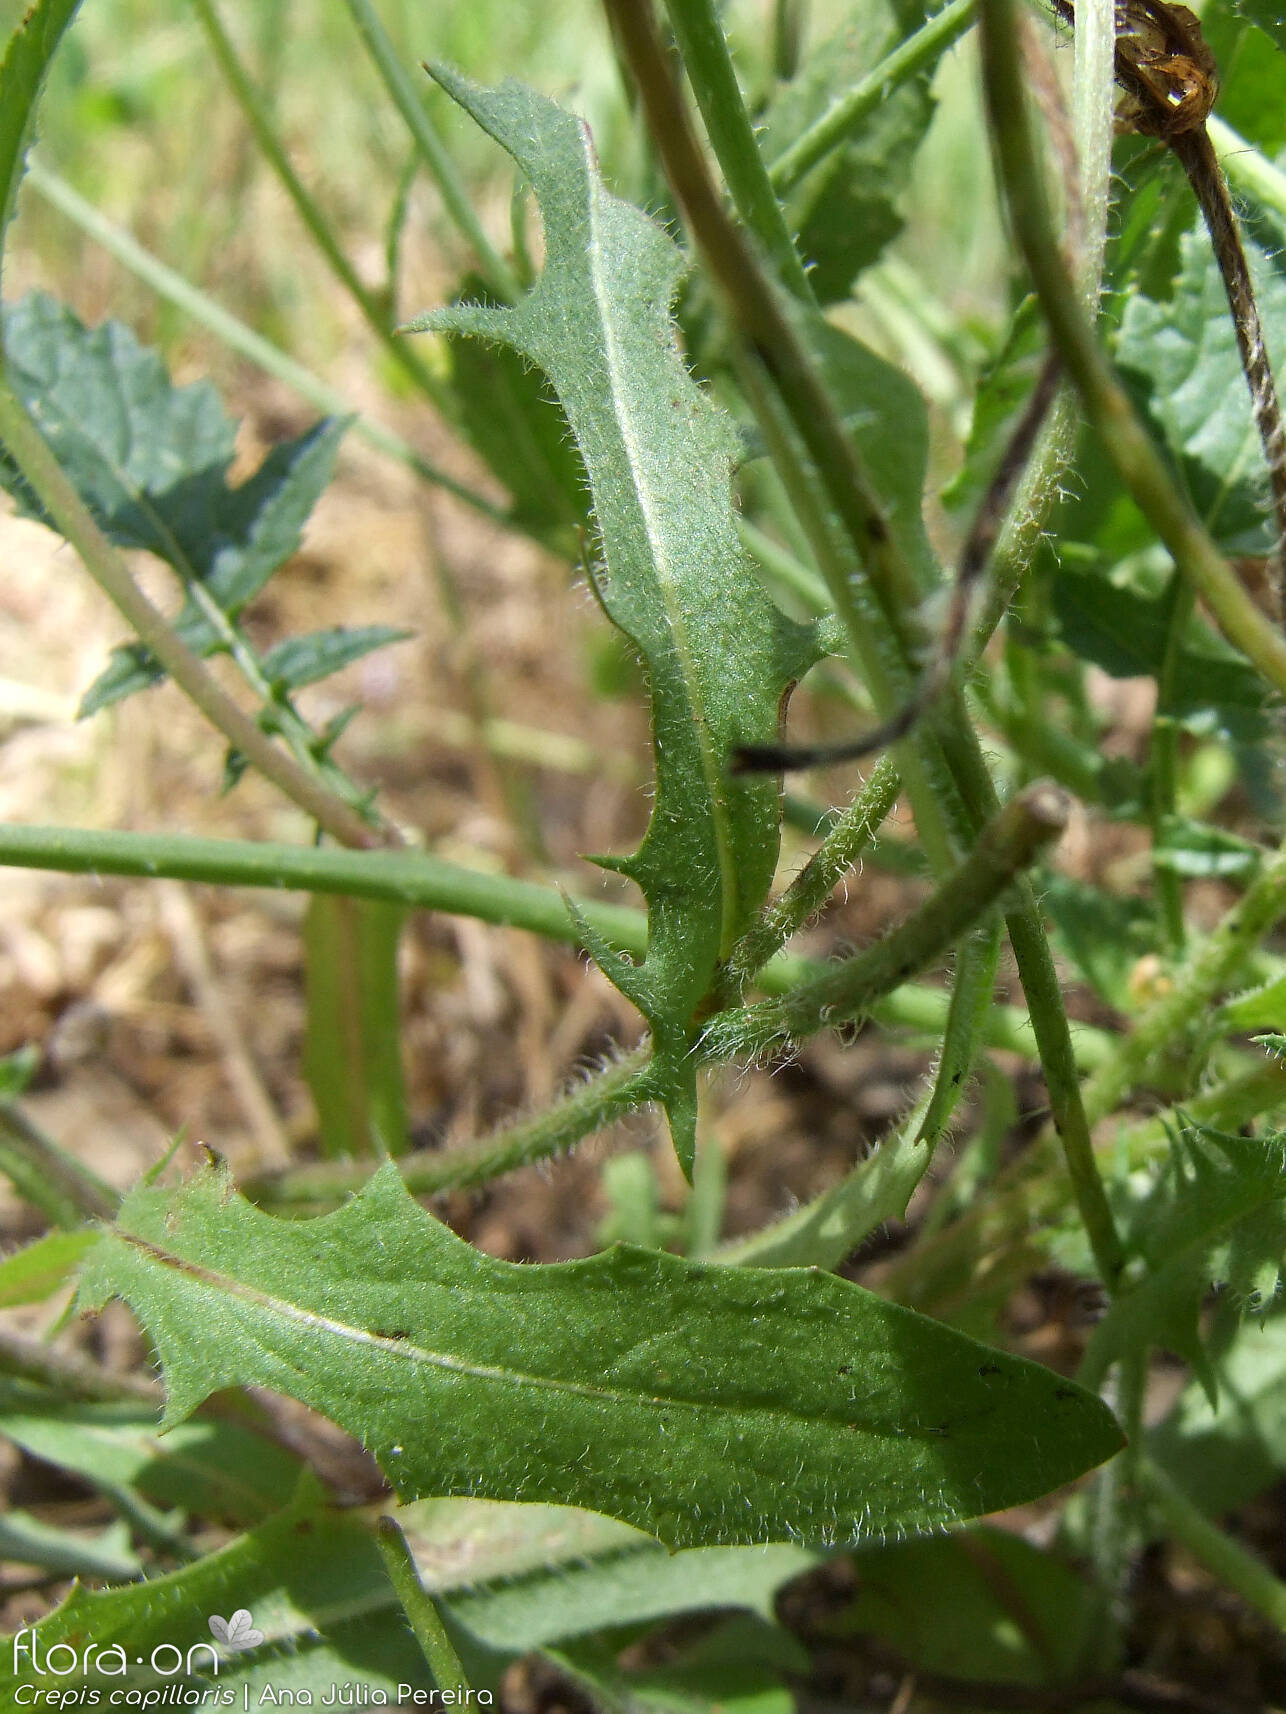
(1170, 73)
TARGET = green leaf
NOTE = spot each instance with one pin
(702, 1403)
(1223, 1457)
(1260, 1008)
(27, 58)
(1252, 69)
(736, 1667)
(1183, 354)
(217, 1469)
(516, 1578)
(830, 1227)
(37, 1271)
(352, 1050)
(845, 209)
(675, 579)
(17, 1070)
(1216, 1215)
(151, 462)
(69, 1553)
(1124, 631)
(1267, 14)
(298, 661)
(886, 415)
(1003, 389)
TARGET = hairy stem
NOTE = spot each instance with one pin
(811, 888)
(1009, 844)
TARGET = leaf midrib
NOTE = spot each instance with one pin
(639, 1399)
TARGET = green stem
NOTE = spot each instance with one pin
(497, 273)
(1217, 1551)
(878, 624)
(704, 48)
(1163, 760)
(606, 1096)
(1008, 845)
(420, 1608)
(274, 152)
(110, 572)
(846, 115)
(841, 992)
(972, 998)
(1106, 403)
(809, 891)
(415, 879)
(202, 308)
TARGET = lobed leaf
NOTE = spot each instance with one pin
(704, 1404)
(1216, 1215)
(297, 661)
(151, 462)
(719, 655)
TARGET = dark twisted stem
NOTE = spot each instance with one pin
(975, 557)
(1171, 82)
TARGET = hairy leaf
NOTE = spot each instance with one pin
(675, 579)
(702, 1403)
(510, 417)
